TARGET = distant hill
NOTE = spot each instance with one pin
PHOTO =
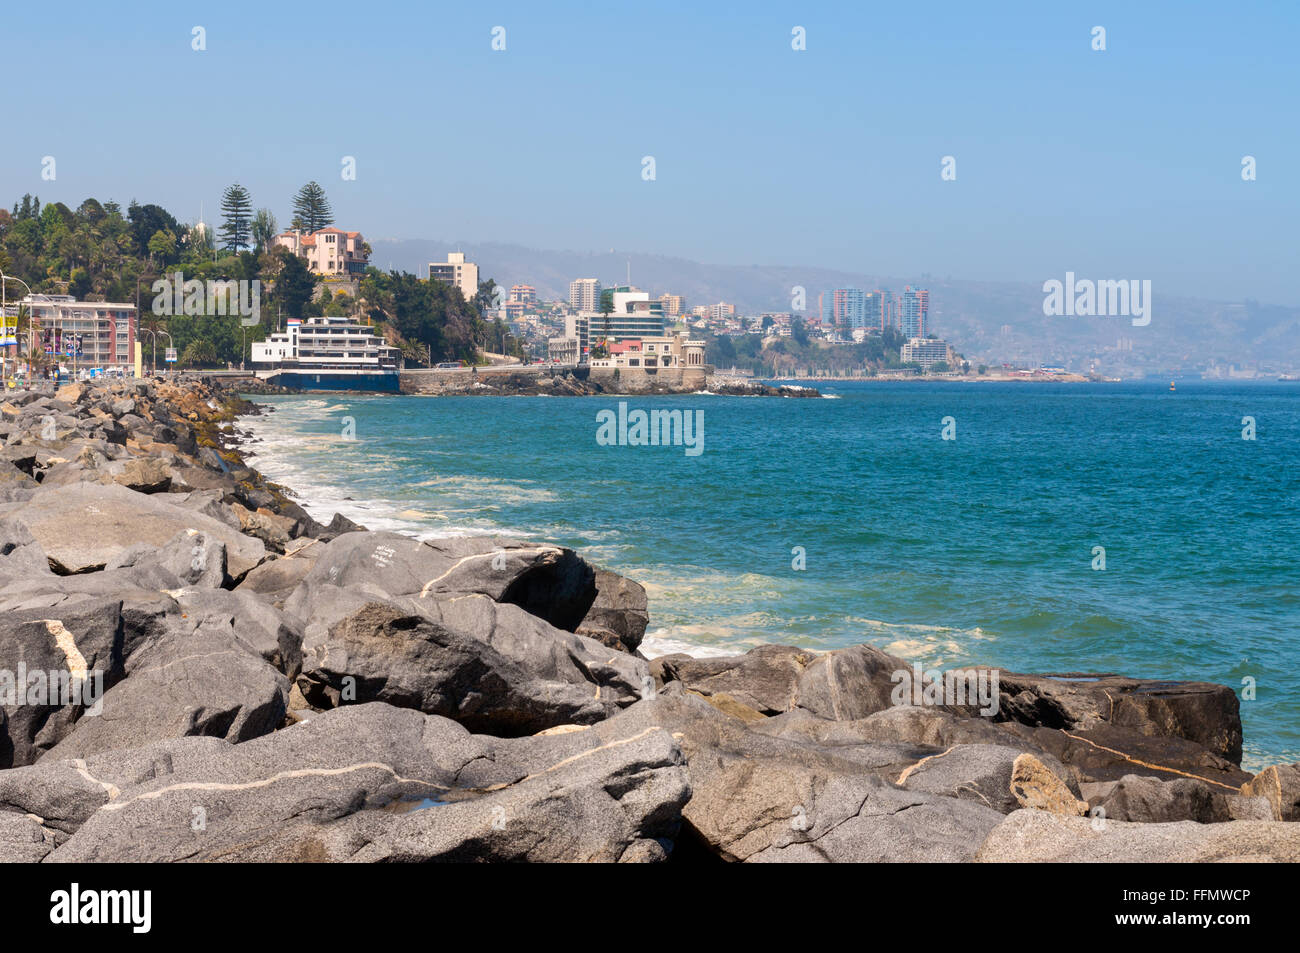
(986, 321)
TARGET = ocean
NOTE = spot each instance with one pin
(846, 519)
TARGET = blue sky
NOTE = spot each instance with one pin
(1117, 164)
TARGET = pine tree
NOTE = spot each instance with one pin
(311, 208)
(237, 209)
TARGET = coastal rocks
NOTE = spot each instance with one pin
(1136, 798)
(1280, 785)
(844, 684)
(197, 683)
(1040, 837)
(82, 527)
(490, 667)
(64, 794)
(1201, 712)
(550, 582)
(1108, 753)
(998, 777)
(620, 613)
(23, 840)
(57, 665)
(373, 782)
(761, 798)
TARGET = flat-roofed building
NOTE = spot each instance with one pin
(95, 333)
(458, 272)
(584, 294)
(926, 351)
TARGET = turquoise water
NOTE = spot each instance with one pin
(978, 549)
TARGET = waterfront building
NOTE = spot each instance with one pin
(926, 351)
(458, 272)
(565, 350)
(670, 350)
(328, 251)
(95, 333)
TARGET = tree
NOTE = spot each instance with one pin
(162, 247)
(263, 229)
(311, 209)
(199, 352)
(294, 285)
(237, 210)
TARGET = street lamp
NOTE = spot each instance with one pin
(4, 363)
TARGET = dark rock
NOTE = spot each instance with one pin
(493, 668)
(203, 682)
(1202, 712)
(58, 666)
(619, 615)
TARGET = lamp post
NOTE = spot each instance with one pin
(169, 344)
(4, 364)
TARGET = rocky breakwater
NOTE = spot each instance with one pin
(192, 668)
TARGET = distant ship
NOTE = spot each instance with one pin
(327, 354)
(1288, 377)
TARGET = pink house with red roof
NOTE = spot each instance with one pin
(329, 251)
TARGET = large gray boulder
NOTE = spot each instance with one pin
(1041, 837)
(1138, 798)
(58, 665)
(1201, 712)
(620, 613)
(373, 782)
(843, 684)
(83, 527)
(200, 682)
(550, 582)
(493, 668)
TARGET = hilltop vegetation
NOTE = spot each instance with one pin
(97, 252)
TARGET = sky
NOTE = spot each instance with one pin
(1122, 163)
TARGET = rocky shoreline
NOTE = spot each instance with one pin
(192, 668)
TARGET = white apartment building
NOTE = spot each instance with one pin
(456, 271)
(926, 351)
(584, 294)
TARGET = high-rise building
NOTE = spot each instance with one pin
(844, 308)
(523, 294)
(584, 294)
(456, 271)
(914, 306)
